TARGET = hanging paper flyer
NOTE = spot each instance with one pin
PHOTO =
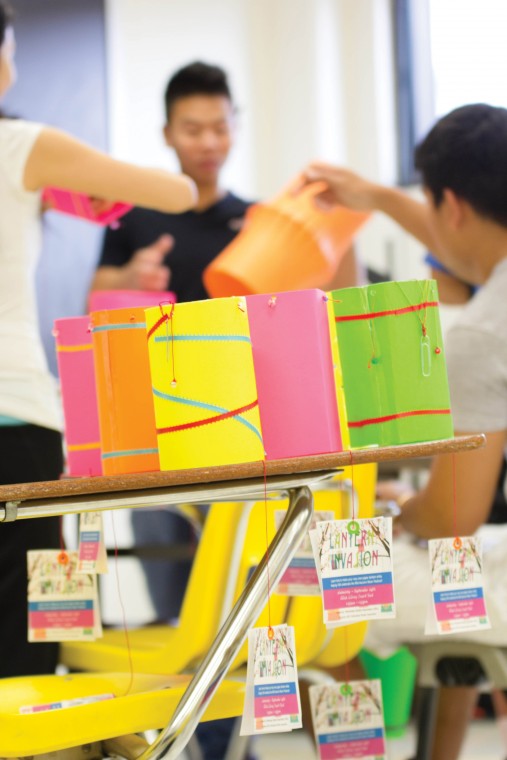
(92, 549)
(300, 578)
(355, 562)
(348, 720)
(272, 702)
(62, 604)
(457, 585)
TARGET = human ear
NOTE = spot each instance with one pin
(166, 131)
(454, 208)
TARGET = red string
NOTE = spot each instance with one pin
(270, 629)
(124, 617)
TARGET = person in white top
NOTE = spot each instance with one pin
(33, 156)
(463, 162)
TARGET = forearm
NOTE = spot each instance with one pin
(408, 213)
(60, 160)
(418, 517)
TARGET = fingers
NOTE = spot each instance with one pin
(147, 268)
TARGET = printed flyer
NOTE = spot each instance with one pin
(272, 702)
(348, 720)
(300, 578)
(355, 563)
(457, 586)
(62, 603)
(91, 550)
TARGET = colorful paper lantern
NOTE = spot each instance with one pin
(288, 244)
(126, 415)
(295, 374)
(204, 389)
(124, 299)
(74, 353)
(81, 205)
(393, 363)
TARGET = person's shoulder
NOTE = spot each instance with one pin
(13, 131)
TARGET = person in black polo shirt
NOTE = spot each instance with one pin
(155, 251)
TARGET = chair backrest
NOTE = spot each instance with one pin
(313, 640)
(202, 608)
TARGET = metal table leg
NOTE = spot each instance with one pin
(245, 612)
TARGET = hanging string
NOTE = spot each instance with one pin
(122, 607)
(63, 557)
(424, 303)
(352, 486)
(457, 539)
(271, 632)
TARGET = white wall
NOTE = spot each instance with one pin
(312, 78)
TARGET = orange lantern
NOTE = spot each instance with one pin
(288, 244)
(126, 414)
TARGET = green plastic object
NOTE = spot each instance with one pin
(393, 363)
(397, 674)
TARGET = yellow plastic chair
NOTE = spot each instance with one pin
(170, 649)
(146, 703)
(345, 643)
(314, 643)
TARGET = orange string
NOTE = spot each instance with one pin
(454, 498)
(124, 617)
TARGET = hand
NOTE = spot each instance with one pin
(343, 187)
(146, 270)
(394, 490)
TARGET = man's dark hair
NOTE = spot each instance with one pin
(197, 78)
(5, 20)
(466, 151)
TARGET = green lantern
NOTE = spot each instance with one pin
(393, 363)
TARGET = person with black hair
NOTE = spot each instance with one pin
(463, 163)
(155, 251)
(33, 156)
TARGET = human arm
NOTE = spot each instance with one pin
(344, 187)
(431, 513)
(59, 160)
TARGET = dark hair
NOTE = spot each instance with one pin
(196, 79)
(466, 151)
(5, 20)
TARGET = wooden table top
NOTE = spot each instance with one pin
(69, 487)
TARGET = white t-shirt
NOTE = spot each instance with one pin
(476, 351)
(27, 389)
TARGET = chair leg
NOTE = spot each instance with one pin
(426, 722)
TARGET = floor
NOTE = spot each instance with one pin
(483, 743)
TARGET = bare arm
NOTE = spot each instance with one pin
(431, 514)
(348, 189)
(61, 161)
